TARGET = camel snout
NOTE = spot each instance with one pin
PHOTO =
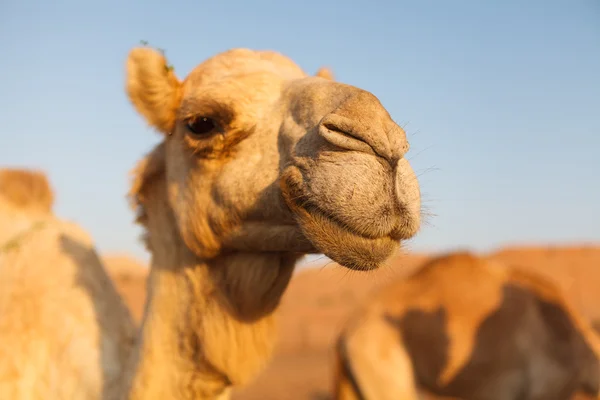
(408, 200)
(361, 123)
(343, 133)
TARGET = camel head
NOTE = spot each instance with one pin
(26, 198)
(259, 156)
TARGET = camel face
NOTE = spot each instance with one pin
(346, 179)
(260, 157)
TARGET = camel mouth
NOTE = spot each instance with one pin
(344, 245)
(338, 241)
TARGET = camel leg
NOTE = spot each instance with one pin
(378, 363)
(345, 386)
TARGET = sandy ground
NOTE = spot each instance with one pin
(319, 299)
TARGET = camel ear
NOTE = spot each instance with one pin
(326, 73)
(153, 88)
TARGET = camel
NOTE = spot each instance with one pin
(258, 164)
(466, 327)
(64, 331)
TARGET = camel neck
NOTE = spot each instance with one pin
(208, 324)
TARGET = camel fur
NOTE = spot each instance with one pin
(466, 327)
(259, 164)
(64, 331)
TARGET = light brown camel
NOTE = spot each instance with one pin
(64, 331)
(465, 327)
(258, 165)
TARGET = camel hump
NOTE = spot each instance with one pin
(25, 189)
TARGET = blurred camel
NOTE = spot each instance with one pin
(596, 325)
(64, 331)
(469, 328)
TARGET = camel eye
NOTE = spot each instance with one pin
(200, 126)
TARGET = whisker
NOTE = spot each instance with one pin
(419, 153)
(427, 170)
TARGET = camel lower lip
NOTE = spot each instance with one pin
(344, 246)
(340, 243)
(332, 238)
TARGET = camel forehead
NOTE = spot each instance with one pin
(241, 62)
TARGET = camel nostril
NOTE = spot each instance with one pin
(344, 132)
(332, 127)
(339, 133)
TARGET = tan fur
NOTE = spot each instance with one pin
(155, 99)
(344, 386)
(26, 189)
(325, 73)
(64, 331)
(596, 325)
(439, 315)
(295, 164)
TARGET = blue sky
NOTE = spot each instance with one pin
(500, 99)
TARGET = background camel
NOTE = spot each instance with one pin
(596, 325)
(468, 328)
(259, 164)
(64, 331)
